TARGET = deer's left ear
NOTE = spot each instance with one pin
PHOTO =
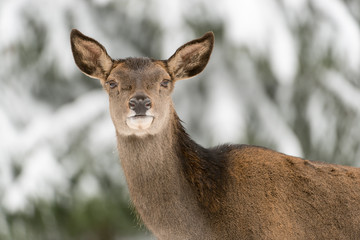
(191, 58)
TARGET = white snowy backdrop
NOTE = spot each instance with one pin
(284, 74)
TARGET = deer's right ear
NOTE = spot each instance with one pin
(90, 56)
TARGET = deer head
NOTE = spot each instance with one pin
(139, 88)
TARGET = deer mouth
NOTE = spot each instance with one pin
(139, 122)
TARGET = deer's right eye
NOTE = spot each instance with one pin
(112, 84)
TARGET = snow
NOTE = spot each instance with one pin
(88, 186)
(37, 143)
(10, 22)
(345, 31)
(42, 173)
(322, 123)
(225, 111)
(283, 55)
(343, 89)
(261, 25)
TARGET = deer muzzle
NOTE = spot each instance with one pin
(139, 118)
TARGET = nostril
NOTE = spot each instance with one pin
(139, 104)
(147, 103)
(132, 103)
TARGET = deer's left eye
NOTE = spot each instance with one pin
(165, 83)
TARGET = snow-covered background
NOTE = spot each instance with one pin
(284, 74)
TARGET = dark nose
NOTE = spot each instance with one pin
(140, 104)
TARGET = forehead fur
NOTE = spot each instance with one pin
(131, 68)
(137, 63)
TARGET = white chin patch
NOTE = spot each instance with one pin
(139, 123)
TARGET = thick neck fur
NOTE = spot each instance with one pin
(164, 176)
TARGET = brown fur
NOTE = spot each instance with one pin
(184, 191)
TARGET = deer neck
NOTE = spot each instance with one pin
(157, 181)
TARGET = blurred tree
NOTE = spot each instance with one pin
(284, 74)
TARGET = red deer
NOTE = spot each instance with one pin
(182, 190)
